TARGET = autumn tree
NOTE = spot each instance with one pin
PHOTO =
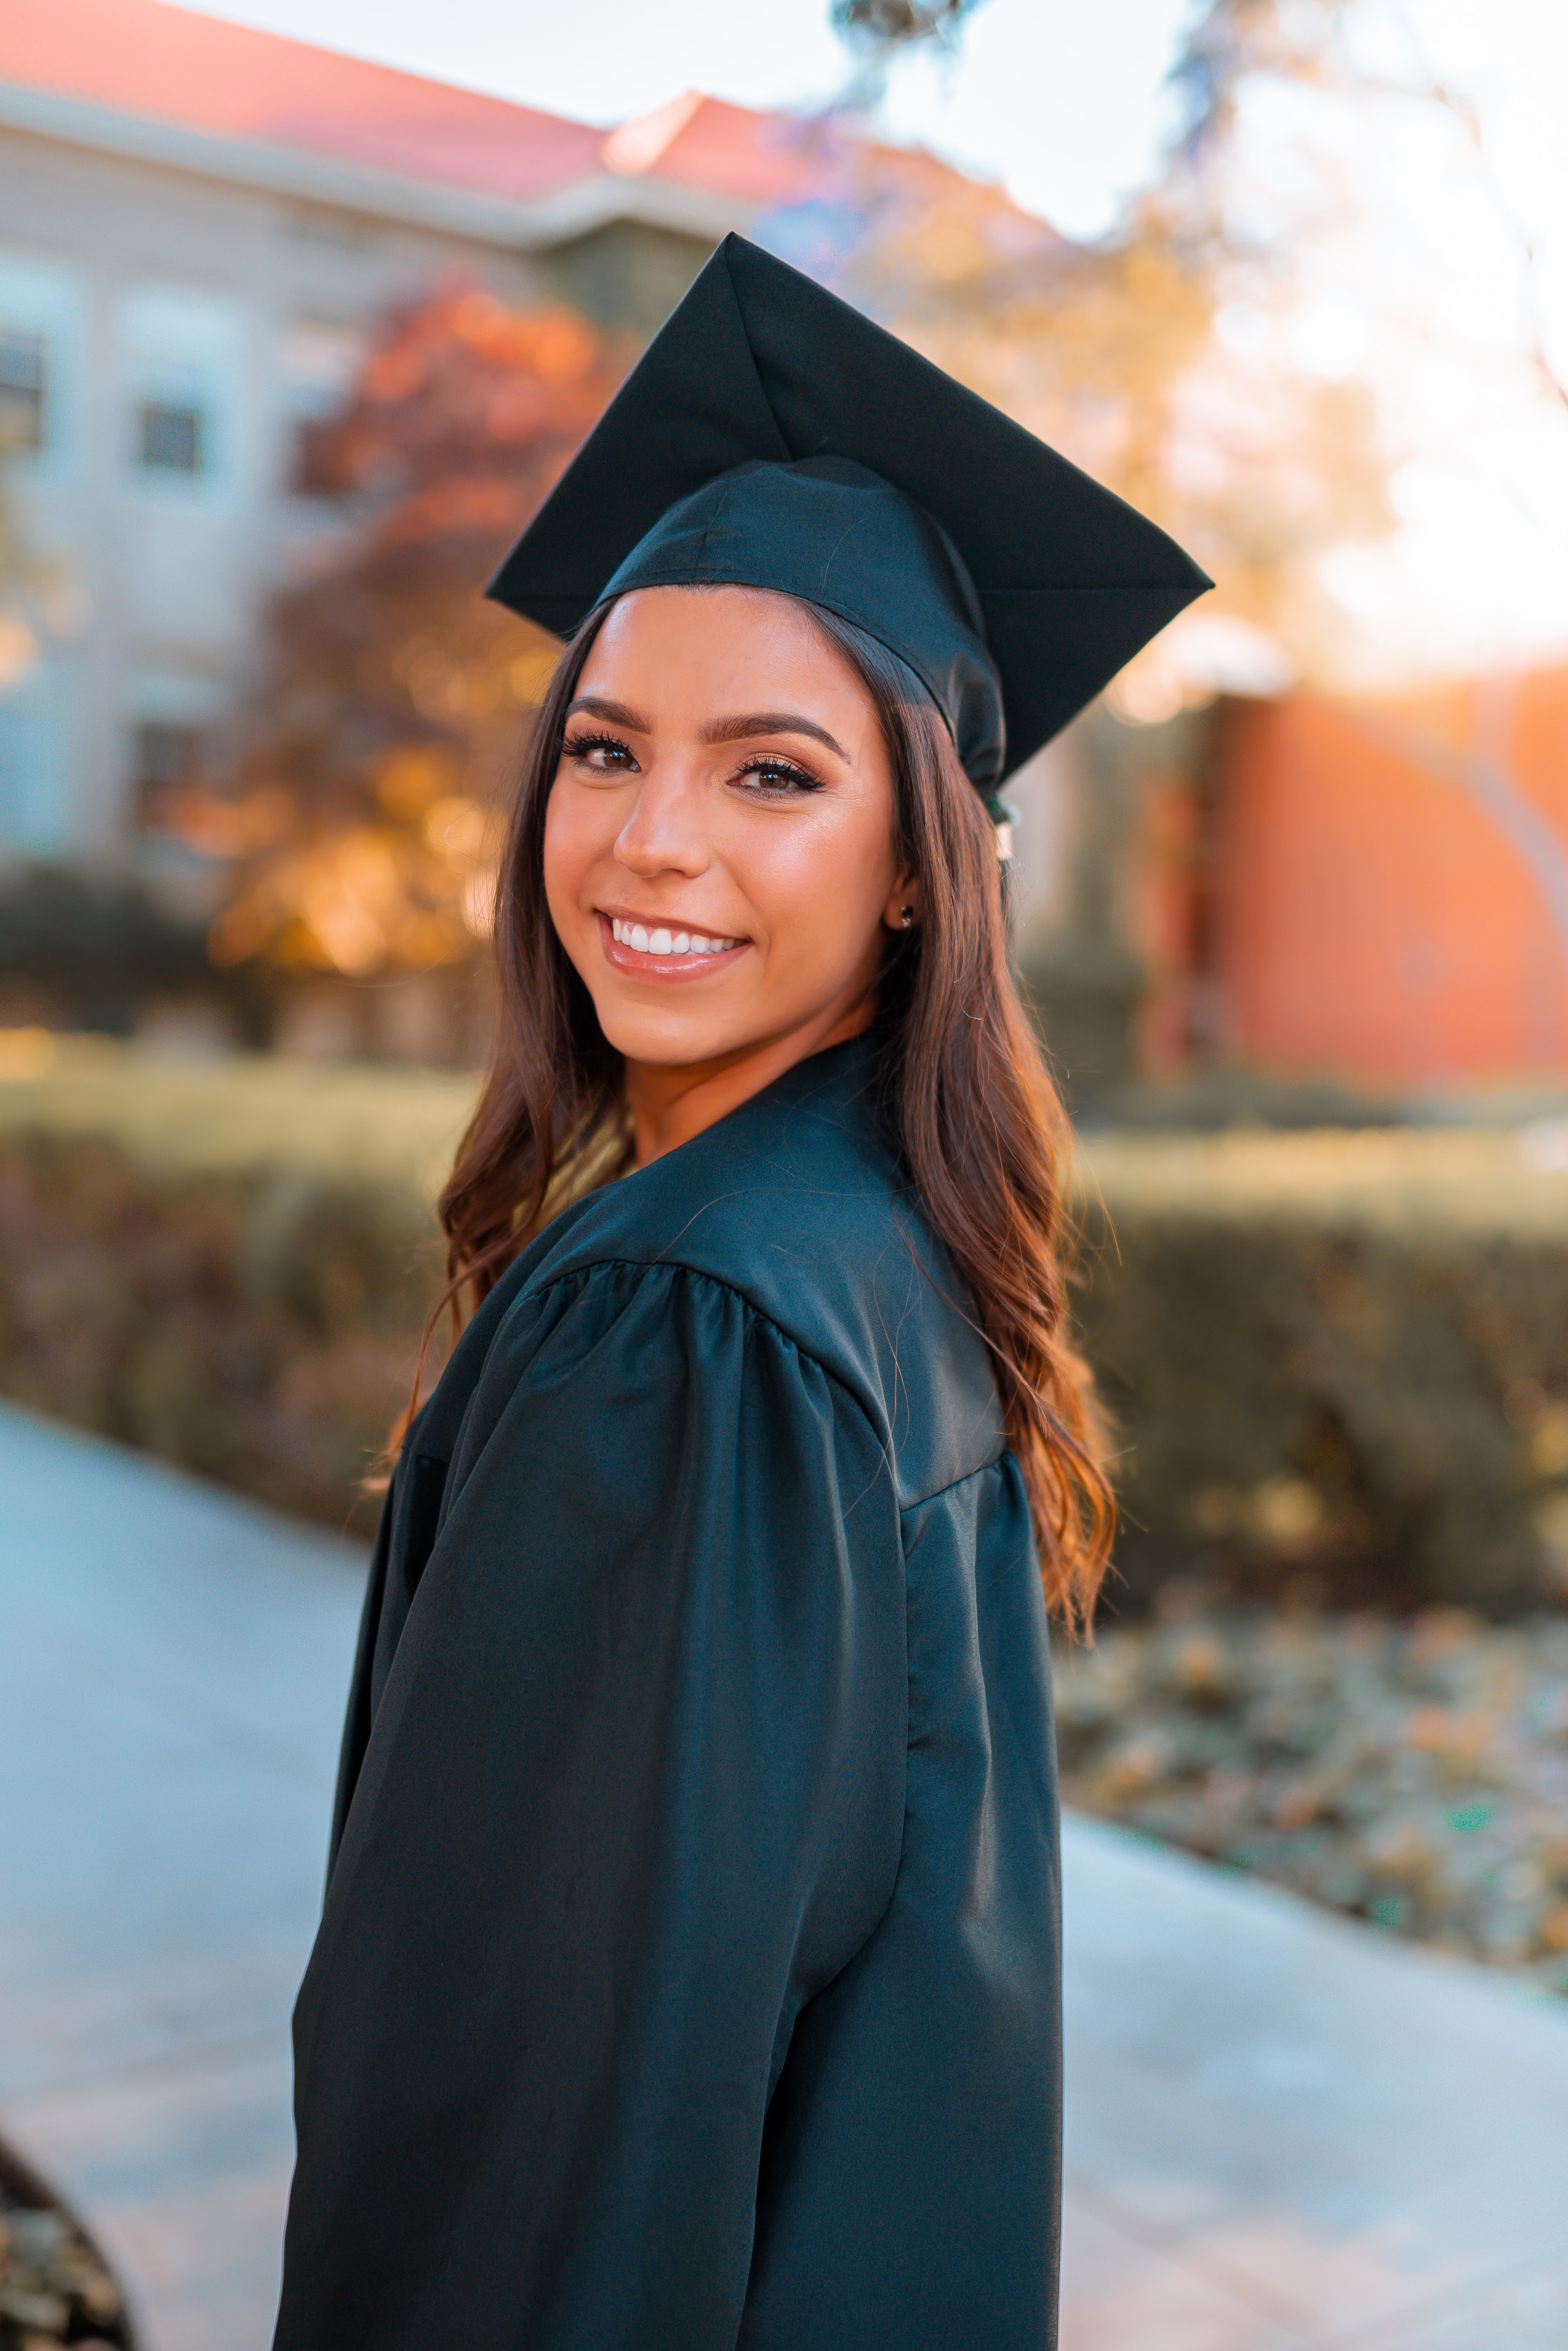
(361, 801)
(1157, 357)
(1179, 358)
(878, 34)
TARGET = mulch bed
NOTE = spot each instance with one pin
(1413, 1773)
(55, 2286)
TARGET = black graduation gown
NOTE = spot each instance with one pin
(689, 1974)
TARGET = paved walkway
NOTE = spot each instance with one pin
(1284, 2134)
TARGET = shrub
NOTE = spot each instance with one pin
(226, 1263)
(96, 950)
(1338, 1361)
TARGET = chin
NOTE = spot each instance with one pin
(670, 1043)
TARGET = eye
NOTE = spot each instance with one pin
(777, 778)
(601, 755)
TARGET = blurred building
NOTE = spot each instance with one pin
(201, 223)
(1389, 882)
(1372, 892)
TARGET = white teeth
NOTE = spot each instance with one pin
(663, 942)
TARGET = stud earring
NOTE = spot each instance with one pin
(906, 916)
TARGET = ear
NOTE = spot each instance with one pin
(901, 912)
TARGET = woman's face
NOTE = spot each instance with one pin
(718, 856)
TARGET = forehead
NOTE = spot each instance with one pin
(678, 641)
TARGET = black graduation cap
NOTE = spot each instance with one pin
(773, 437)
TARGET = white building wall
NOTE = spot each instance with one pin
(167, 289)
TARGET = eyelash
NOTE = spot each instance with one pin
(798, 778)
(578, 746)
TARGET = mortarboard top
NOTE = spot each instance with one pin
(773, 437)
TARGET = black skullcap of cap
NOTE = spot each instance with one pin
(770, 436)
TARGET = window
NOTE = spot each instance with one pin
(21, 390)
(317, 362)
(43, 365)
(172, 438)
(185, 376)
(167, 756)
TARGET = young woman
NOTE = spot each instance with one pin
(689, 1971)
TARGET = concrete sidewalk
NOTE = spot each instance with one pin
(172, 1666)
(1284, 2134)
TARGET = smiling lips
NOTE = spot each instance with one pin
(639, 947)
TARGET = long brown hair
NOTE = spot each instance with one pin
(967, 1096)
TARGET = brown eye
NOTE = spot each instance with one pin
(781, 776)
(606, 753)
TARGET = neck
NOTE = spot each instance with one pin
(669, 1105)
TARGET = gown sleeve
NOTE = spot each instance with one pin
(633, 1794)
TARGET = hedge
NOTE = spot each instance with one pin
(1337, 1361)
(227, 1262)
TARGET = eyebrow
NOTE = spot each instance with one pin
(740, 729)
(618, 714)
(770, 722)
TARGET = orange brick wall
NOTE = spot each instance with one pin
(1370, 915)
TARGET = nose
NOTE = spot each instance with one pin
(664, 832)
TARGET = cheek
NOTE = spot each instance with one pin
(572, 846)
(822, 888)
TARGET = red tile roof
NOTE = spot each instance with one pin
(144, 58)
(705, 142)
(172, 65)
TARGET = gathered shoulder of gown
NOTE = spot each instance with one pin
(689, 1978)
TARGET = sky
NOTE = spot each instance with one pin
(1071, 131)
(1062, 102)
(1066, 105)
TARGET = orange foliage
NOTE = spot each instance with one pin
(1114, 352)
(361, 806)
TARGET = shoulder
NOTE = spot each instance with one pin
(787, 1200)
(796, 1204)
